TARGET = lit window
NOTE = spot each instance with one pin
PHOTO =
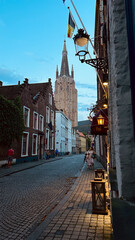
(50, 98)
(26, 113)
(47, 139)
(25, 139)
(34, 144)
(35, 120)
(41, 123)
(47, 114)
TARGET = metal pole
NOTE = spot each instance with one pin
(91, 44)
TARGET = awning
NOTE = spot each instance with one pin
(100, 129)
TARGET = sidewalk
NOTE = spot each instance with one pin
(5, 171)
(72, 218)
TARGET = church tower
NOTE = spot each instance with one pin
(65, 92)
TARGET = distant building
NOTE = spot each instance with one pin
(82, 142)
(63, 137)
(39, 119)
(65, 92)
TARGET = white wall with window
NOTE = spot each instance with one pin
(47, 139)
(26, 113)
(35, 120)
(63, 133)
(25, 144)
(41, 123)
(47, 114)
(34, 144)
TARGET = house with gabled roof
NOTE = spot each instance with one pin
(38, 140)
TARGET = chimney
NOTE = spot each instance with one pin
(26, 80)
(1, 83)
(49, 80)
(18, 83)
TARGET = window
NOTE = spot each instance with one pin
(47, 139)
(47, 114)
(52, 117)
(41, 123)
(50, 98)
(52, 141)
(25, 139)
(34, 144)
(26, 112)
(35, 120)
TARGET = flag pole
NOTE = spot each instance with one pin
(91, 45)
(73, 17)
(84, 27)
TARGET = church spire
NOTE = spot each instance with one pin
(64, 63)
(57, 72)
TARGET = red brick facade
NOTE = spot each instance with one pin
(34, 98)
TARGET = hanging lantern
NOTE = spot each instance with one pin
(98, 196)
(100, 173)
(100, 120)
(81, 40)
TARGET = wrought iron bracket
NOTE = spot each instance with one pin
(99, 63)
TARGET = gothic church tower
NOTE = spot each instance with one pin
(65, 92)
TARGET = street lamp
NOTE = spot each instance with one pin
(100, 120)
(81, 40)
(105, 80)
(105, 103)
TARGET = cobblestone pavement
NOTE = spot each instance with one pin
(74, 219)
(27, 197)
(69, 218)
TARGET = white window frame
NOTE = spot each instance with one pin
(52, 117)
(24, 155)
(47, 115)
(42, 126)
(28, 121)
(35, 113)
(50, 98)
(34, 134)
(47, 146)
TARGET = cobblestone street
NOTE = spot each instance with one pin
(36, 203)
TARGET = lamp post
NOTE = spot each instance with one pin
(81, 40)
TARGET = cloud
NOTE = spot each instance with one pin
(9, 77)
(85, 85)
(83, 115)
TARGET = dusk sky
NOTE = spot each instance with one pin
(32, 34)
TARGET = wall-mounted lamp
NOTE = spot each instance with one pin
(105, 103)
(81, 40)
(100, 120)
(105, 80)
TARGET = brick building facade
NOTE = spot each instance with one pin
(38, 138)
